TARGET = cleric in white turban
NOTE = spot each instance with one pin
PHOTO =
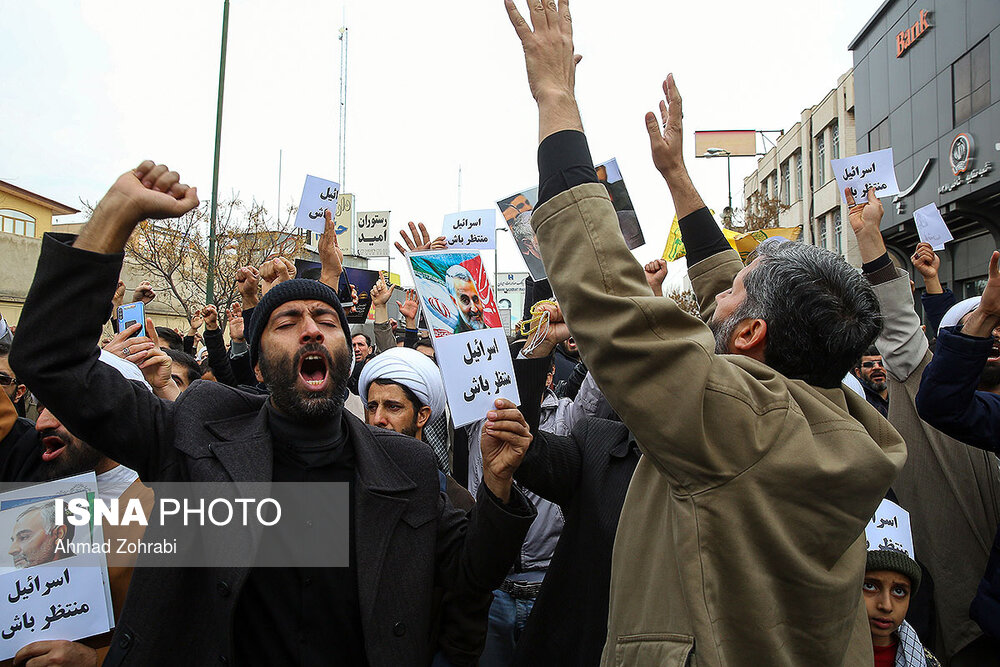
(402, 390)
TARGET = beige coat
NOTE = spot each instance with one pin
(741, 539)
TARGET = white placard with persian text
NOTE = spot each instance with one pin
(860, 172)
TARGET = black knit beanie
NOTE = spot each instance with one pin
(895, 561)
(297, 289)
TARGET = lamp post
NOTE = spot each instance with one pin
(718, 152)
(210, 280)
(496, 266)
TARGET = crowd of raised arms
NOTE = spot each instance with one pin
(673, 489)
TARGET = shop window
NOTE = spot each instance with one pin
(970, 80)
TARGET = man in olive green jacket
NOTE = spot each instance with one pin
(741, 539)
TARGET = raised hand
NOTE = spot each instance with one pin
(505, 440)
(548, 47)
(667, 145)
(409, 308)
(865, 219)
(354, 300)
(381, 292)
(119, 298)
(656, 273)
(926, 261)
(330, 255)
(148, 191)
(275, 271)
(211, 317)
(196, 322)
(421, 240)
(236, 324)
(985, 319)
(556, 333)
(144, 292)
(247, 281)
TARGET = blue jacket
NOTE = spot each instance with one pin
(948, 401)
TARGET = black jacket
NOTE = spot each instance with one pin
(587, 474)
(408, 535)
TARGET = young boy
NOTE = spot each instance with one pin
(891, 577)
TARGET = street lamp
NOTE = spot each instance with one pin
(719, 152)
(496, 265)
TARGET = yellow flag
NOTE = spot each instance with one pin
(746, 242)
(675, 247)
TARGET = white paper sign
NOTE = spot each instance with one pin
(889, 530)
(471, 229)
(373, 234)
(46, 591)
(62, 600)
(318, 195)
(477, 370)
(861, 172)
(931, 227)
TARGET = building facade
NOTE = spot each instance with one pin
(25, 213)
(797, 172)
(922, 71)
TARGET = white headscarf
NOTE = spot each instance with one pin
(958, 311)
(409, 368)
(5, 335)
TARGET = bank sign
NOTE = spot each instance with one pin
(907, 38)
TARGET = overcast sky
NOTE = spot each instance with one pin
(92, 87)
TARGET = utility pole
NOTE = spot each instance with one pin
(210, 280)
(342, 175)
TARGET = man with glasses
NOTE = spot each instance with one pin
(870, 372)
(8, 381)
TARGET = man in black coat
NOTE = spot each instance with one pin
(586, 473)
(406, 535)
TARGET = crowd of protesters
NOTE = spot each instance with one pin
(673, 489)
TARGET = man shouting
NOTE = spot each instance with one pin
(406, 536)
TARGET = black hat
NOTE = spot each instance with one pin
(297, 289)
(895, 561)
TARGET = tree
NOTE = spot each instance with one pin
(761, 212)
(173, 254)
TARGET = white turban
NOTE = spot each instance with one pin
(958, 311)
(409, 368)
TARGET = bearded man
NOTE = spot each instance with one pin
(404, 535)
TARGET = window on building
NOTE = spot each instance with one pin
(820, 159)
(974, 287)
(16, 222)
(835, 142)
(880, 136)
(822, 231)
(798, 176)
(786, 183)
(970, 80)
(837, 243)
